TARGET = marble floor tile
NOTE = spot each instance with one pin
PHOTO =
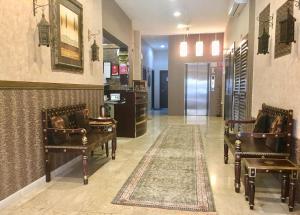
(65, 194)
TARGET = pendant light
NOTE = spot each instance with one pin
(199, 47)
(184, 45)
(183, 49)
(215, 47)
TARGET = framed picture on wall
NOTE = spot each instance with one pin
(66, 33)
(107, 69)
(115, 70)
(123, 69)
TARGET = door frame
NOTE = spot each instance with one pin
(153, 89)
(160, 71)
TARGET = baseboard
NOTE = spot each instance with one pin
(38, 184)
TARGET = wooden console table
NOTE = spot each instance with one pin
(286, 168)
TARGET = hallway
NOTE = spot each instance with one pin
(67, 195)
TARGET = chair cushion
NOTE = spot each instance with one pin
(59, 122)
(277, 125)
(261, 123)
(82, 119)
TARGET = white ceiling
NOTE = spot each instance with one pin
(155, 17)
(155, 42)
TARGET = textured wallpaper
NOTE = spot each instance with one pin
(21, 147)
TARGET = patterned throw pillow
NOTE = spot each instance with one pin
(276, 126)
(60, 122)
(82, 119)
(261, 123)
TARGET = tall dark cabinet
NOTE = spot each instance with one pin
(132, 115)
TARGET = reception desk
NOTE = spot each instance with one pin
(131, 113)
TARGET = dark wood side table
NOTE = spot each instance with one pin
(286, 168)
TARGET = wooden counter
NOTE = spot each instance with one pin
(132, 116)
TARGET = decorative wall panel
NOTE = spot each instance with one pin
(282, 49)
(21, 147)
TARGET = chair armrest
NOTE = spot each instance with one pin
(66, 131)
(80, 131)
(232, 122)
(261, 135)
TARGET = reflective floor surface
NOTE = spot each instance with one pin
(66, 194)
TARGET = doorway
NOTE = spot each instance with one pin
(196, 101)
(163, 88)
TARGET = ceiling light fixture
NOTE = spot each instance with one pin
(199, 47)
(177, 14)
(162, 46)
(184, 45)
(215, 47)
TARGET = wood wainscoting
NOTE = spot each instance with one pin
(21, 146)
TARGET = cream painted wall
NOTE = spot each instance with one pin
(22, 60)
(276, 81)
(117, 23)
(237, 28)
(137, 62)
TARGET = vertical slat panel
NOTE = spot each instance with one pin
(240, 82)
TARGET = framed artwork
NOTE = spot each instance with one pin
(66, 33)
(107, 69)
(114, 70)
(123, 70)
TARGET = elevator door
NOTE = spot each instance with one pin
(197, 89)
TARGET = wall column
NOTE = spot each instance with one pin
(137, 64)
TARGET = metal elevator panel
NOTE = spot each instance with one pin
(197, 89)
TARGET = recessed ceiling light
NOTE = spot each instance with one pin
(177, 14)
(162, 46)
(183, 26)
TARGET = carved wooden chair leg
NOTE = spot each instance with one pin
(113, 148)
(47, 166)
(106, 149)
(92, 153)
(225, 153)
(246, 184)
(237, 169)
(284, 185)
(292, 195)
(85, 167)
(102, 147)
(237, 173)
(251, 192)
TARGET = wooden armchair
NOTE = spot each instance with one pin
(271, 139)
(70, 130)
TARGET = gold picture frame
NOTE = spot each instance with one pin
(67, 35)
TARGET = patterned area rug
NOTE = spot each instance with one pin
(172, 174)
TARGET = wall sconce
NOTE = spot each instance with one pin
(43, 25)
(287, 29)
(263, 43)
(37, 6)
(44, 32)
(263, 39)
(297, 3)
(95, 48)
(95, 51)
